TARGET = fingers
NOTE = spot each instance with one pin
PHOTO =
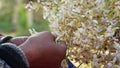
(46, 35)
(55, 36)
(62, 49)
(18, 40)
(62, 45)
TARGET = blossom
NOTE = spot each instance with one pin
(30, 6)
(88, 28)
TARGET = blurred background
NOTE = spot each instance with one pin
(16, 20)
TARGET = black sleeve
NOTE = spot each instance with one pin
(13, 56)
(5, 39)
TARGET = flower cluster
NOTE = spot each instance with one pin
(88, 28)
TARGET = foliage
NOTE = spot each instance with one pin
(21, 26)
(87, 27)
(5, 15)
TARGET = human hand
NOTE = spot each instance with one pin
(18, 40)
(42, 51)
(14, 40)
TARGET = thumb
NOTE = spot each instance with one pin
(62, 45)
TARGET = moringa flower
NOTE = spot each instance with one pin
(89, 29)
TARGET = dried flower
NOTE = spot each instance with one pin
(88, 28)
(29, 6)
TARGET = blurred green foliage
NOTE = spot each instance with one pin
(21, 27)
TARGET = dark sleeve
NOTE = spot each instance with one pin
(4, 39)
(3, 64)
(13, 56)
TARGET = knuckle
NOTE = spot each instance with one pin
(46, 32)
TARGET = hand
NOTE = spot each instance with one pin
(18, 40)
(42, 51)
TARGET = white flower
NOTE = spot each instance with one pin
(109, 31)
(95, 61)
(95, 21)
(29, 6)
(76, 10)
(61, 15)
(63, 0)
(46, 12)
(116, 45)
(86, 25)
(38, 1)
(76, 41)
(110, 65)
(54, 24)
(114, 60)
(118, 57)
(46, 15)
(101, 37)
(77, 34)
(71, 23)
(81, 30)
(55, 1)
(81, 1)
(99, 1)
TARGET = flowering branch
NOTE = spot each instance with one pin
(88, 28)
